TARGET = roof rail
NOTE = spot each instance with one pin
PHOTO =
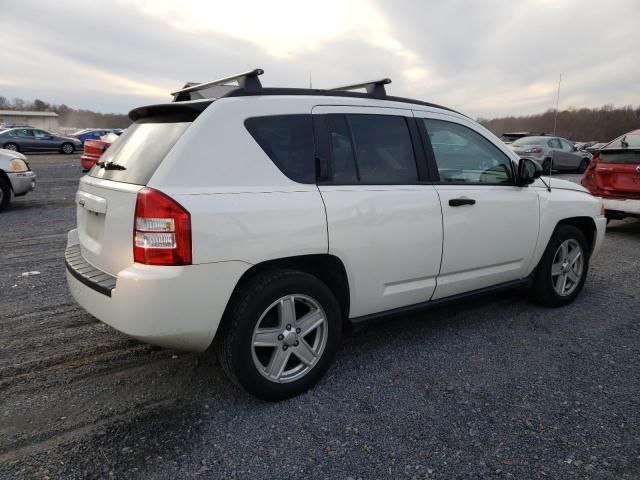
(248, 81)
(374, 88)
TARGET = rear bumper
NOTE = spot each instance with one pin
(22, 182)
(622, 206)
(87, 160)
(173, 307)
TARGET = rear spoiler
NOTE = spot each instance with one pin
(170, 112)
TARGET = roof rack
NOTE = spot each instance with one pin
(248, 81)
(374, 88)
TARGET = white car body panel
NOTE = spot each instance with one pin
(400, 245)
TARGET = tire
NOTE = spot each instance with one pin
(256, 308)
(5, 194)
(67, 148)
(547, 282)
(546, 166)
(11, 146)
(584, 164)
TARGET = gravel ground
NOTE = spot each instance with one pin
(497, 388)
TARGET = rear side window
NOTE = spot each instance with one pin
(371, 149)
(288, 141)
(137, 153)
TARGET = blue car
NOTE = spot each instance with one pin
(94, 133)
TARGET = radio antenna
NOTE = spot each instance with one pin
(555, 123)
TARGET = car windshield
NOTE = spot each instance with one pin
(527, 141)
(630, 140)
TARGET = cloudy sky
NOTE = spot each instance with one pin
(486, 58)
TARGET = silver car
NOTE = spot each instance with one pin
(15, 176)
(552, 152)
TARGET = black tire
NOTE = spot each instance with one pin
(249, 302)
(584, 165)
(546, 166)
(543, 290)
(5, 194)
(67, 148)
(11, 146)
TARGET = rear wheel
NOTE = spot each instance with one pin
(11, 146)
(584, 165)
(280, 334)
(67, 148)
(563, 268)
(5, 194)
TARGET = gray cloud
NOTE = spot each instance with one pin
(485, 58)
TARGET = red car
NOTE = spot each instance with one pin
(93, 149)
(614, 176)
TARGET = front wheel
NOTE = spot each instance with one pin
(584, 165)
(67, 148)
(5, 194)
(563, 268)
(279, 334)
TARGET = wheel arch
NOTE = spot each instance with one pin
(5, 177)
(586, 225)
(328, 268)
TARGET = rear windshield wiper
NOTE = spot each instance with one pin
(111, 166)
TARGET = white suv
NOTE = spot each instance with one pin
(265, 221)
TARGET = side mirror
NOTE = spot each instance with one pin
(575, 149)
(528, 171)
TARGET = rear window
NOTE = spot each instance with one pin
(630, 157)
(626, 141)
(288, 141)
(137, 153)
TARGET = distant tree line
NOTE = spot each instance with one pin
(584, 124)
(69, 117)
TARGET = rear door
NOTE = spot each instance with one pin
(384, 218)
(490, 224)
(106, 197)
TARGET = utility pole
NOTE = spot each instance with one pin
(555, 117)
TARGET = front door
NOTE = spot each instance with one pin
(384, 221)
(490, 224)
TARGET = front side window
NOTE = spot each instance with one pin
(288, 141)
(464, 156)
(41, 134)
(554, 143)
(371, 149)
(566, 146)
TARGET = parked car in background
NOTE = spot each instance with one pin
(614, 176)
(594, 147)
(511, 137)
(93, 149)
(36, 140)
(93, 133)
(16, 177)
(283, 241)
(544, 149)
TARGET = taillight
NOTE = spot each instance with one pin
(534, 150)
(161, 230)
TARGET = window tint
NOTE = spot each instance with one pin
(139, 150)
(41, 134)
(383, 149)
(554, 143)
(465, 156)
(23, 133)
(343, 163)
(288, 141)
(566, 146)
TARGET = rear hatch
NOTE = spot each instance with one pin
(106, 197)
(618, 172)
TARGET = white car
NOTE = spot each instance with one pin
(16, 177)
(267, 220)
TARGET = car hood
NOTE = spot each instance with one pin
(559, 184)
(9, 154)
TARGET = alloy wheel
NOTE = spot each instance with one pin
(289, 338)
(567, 267)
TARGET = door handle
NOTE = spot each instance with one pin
(457, 202)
